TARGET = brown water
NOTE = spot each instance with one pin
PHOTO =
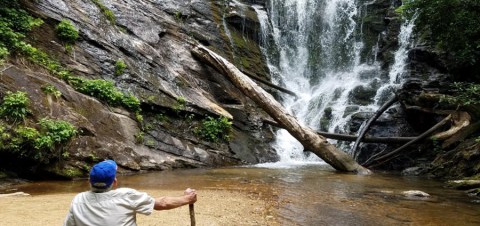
(313, 195)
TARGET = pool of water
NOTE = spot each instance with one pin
(311, 195)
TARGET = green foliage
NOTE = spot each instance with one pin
(139, 137)
(23, 138)
(66, 31)
(106, 91)
(131, 102)
(105, 11)
(120, 67)
(179, 17)
(59, 131)
(15, 139)
(72, 172)
(453, 25)
(139, 117)
(15, 106)
(102, 89)
(14, 24)
(180, 104)
(50, 89)
(161, 118)
(464, 94)
(39, 145)
(53, 133)
(3, 53)
(215, 130)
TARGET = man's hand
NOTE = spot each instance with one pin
(170, 202)
(191, 195)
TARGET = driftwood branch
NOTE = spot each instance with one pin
(462, 134)
(387, 157)
(345, 137)
(306, 136)
(460, 121)
(279, 88)
(365, 129)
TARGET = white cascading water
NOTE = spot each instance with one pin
(397, 70)
(318, 46)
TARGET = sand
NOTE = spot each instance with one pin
(214, 207)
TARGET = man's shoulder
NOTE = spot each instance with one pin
(125, 190)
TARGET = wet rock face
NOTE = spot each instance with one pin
(462, 161)
(154, 39)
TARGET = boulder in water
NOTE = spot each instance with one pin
(416, 195)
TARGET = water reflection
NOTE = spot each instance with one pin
(311, 195)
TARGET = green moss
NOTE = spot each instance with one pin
(66, 31)
(120, 67)
(215, 130)
(3, 175)
(105, 11)
(72, 172)
(140, 137)
(180, 104)
(14, 106)
(52, 90)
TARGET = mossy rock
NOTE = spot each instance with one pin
(3, 175)
(464, 184)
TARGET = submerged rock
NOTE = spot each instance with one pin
(416, 195)
(464, 184)
(15, 194)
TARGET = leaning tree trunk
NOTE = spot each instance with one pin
(306, 136)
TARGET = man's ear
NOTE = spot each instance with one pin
(115, 182)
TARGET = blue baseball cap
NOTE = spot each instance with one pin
(103, 174)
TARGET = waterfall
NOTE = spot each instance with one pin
(318, 54)
(397, 71)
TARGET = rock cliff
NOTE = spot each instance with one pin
(176, 92)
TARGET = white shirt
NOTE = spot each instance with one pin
(116, 207)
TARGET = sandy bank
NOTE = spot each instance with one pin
(214, 207)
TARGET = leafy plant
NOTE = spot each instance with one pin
(15, 106)
(54, 132)
(3, 53)
(39, 145)
(215, 130)
(161, 118)
(105, 11)
(452, 25)
(59, 130)
(180, 104)
(139, 117)
(464, 94)
(106, 90)
(139, 137)
(14, 24)
(50, 89)
(66, 31)
(24, 137)
(131, 102)
(101, 89)
(120, 67)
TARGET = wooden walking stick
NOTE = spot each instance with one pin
(192, 214)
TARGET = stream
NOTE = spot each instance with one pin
(311, 194)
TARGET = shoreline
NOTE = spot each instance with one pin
(214, 207)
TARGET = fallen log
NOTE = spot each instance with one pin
(462, 134)
(279, 88)
(345, 137)
(307, 137)
(365, 129)
(387, 157)
(460, 120)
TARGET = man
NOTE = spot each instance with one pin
(105, 206)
